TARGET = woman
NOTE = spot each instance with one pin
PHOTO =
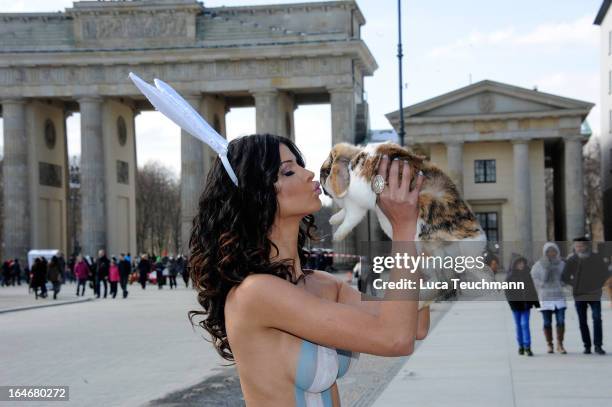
(521, 301)
(546, 274)
(279, 322)
(81, 270)
(114, 276)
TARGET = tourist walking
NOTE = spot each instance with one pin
(54, 274)
(521, 301)
(546, 274)
(587, 273)
(81, 270)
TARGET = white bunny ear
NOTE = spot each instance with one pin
(167, 101)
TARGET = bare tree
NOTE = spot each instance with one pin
(593, 204)
(157, 204)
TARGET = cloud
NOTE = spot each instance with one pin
(553, 34)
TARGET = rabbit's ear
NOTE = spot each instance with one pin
(340, 177)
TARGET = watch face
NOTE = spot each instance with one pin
(50, 136)
(121, 130)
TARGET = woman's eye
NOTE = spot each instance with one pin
(288, 173)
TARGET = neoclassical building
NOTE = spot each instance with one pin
(604, 21)
(495, 140)
(273, 57)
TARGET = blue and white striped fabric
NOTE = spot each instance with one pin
(318, 368)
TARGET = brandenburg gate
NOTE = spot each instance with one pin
(54, 64)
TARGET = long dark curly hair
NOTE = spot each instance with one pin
(229, 238)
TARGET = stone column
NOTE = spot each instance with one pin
(16, 190)
(454, 157)
(343, 115)
(574, 198)
(93, 180)
(267, 114)
(212, 109)
(192, 172)
(286, 107)
(522, 193)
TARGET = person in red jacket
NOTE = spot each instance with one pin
(113, 276)
(81, 271)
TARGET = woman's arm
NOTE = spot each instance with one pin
(271, 302)
(367, 303)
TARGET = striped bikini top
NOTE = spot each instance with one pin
(318, 368)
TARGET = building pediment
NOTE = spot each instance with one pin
(495, 100)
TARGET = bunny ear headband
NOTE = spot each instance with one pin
(167, 101)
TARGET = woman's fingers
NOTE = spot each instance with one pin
(382, 166)
(393, 175)
(405, 183)
(419, 183)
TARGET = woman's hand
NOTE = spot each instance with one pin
(397, 201)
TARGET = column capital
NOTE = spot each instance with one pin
(520, 141)
(340, 89)
(263, 91)
(13, 101)
(89, 99)
(454, 143)
(569, 139)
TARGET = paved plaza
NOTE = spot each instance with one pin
(141, 351)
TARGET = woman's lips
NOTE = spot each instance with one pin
(317, 188)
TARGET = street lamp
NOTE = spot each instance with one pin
(399, 57)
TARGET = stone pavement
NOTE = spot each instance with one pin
(471, 359)
(20, 298)
(111, 352)
(142, 351)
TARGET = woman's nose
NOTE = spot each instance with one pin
(310, 175)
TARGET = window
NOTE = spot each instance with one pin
(609, 42)
(610, 121)
(488, 222)
(484, 171)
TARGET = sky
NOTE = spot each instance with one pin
(447, 44)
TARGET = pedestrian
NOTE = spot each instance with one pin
(55, 275)
(81, 271)
(6, 273)
(144, 267)
(62, 266)
(521, 301)
(172, 272)
(125, 268)
(587, 272)
(102, 268)
(113, 276)
(182, 269)
(39, 278)
(159, 272)
(16, 272)
(546, 274)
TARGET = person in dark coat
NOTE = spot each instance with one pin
(16, 272)
(144, 267)
(182, 270)
(125, 268)
(159, 272)
(6, 273)
(39, 278)
(521, 301)
(173, 271)
(54, 274)
(102, 267)
(587, 273)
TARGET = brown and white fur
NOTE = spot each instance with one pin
(346, 176)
